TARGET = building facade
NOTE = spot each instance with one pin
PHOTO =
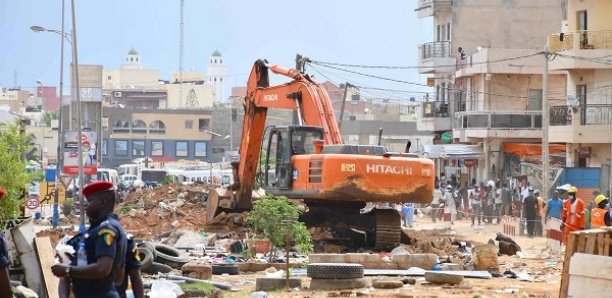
(216, 74)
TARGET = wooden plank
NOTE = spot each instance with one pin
(570, 248)
(606, 251)
(600, 243)
(590, 243)
(46, 255)
(581, 242)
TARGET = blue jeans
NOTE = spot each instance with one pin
(409, 217)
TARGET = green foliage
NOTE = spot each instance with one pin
(67, 206)
(48, 116)
(201, 289)
(270, 218)
(126, 208)
(13, 176)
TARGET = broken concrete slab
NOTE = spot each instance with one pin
(485, 257)
(388, 284)
(424, 261)
(327, 258)
(337, 284)
(197, 269)
(438, 277)
(273, 283)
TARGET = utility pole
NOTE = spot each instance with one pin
(181, 55)
(545, 122)
(60, 132)
(346, 86)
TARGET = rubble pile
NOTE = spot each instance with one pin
(149, 213)
(440, 241)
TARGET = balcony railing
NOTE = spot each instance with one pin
(436, 49)
(435, 109)
(560, 116)
(597, 114)
(498, 120)
(583, 40)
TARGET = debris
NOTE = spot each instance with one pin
(25, 292)
(485, 257)
(273, 283)
(424, 261)
(409, 281)
(337, 284)
(443, 278)
(164, 289)
(259, 294)
(197, 269)
(388, 284)
(218, 285)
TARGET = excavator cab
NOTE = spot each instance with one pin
(283, 143)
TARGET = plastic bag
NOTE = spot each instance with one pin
(165, 289)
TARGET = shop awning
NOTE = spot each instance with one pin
(527, 149)
(453, 151)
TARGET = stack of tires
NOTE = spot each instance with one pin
(160, 258)
(335, 276)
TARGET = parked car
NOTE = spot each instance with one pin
(130, 181)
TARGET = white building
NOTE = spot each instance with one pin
(216, 73)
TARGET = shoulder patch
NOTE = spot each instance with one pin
(106, 231)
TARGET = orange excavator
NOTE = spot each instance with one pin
(345, 187)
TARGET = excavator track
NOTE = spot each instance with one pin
(388, 229)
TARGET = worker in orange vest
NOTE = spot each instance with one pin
(600, 217)
(573, 214)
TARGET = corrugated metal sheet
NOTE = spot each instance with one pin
(453, 151)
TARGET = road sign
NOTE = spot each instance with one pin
(32, 202)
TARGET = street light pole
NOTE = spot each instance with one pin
(77, 91)
(545, 122)
(60, 132)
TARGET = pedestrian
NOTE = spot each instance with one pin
(408, 214)
(476, 204)
(132, 270)
(498, 201)
(541, 205)
(449, 204)
(573, 214)
(5, 282)
(435, 204)
(490, 204)
(463, 193)
(530, 210)
(600, 217)
(99, 261)
(506, 196)
(554, 206)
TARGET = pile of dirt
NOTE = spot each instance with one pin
(55, 234)
(148, 213)
(442, 242)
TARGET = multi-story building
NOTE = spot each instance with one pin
(14, 100)
(583, 120)
(216, 73)
(486, 66)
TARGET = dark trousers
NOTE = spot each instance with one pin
(476, 212)
(506, 208)
(538, 227)
(531, 224)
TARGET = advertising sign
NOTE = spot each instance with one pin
(88, 154)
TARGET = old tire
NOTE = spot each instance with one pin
(337, 284)
(334, 271)
(149, 246)
(146, 258)
(158, 268)
(170, 256)
(218, 269)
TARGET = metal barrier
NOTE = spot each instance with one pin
(510, 225)
(554, 234)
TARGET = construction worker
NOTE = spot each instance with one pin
(5, 282)
(99, 262)
(600, 217)
(573, 214)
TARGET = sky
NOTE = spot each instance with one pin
(366, 32)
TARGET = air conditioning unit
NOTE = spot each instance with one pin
(117, 94)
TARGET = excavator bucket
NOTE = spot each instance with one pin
(216, 197)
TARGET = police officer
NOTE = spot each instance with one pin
(132, 270)
(94, 273)
(5, 283)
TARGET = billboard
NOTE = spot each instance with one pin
(88, 154)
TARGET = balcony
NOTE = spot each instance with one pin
(434, 116)
(436, 57)
(497, 124)
(428, 8)
(594, 124)
(592, 45)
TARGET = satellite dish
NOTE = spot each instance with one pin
(572, 101)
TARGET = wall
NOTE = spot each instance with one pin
(203, 95)
(130, 78)
(598, 14)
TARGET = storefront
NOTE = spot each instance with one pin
(457, 163)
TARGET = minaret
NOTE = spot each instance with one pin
(216, 72)
(132, 61)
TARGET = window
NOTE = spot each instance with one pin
(121, 148)
(139, 126)
(204, 124)
(157, 127)
(121, 126)
(218, 150)
(200, 149)
(534, 100)
(189, 124)
(181, 149)
(138, 148)
(157, 148)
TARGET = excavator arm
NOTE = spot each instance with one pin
(302, 94)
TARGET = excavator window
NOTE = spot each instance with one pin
(302, 142)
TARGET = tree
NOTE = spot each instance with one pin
(13, 175)
(48, 116)
(273, 217)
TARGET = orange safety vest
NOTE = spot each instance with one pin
(597, 218)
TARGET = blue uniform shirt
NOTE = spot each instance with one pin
(131, 262)
(554, 208)
(4, 263)
(105, 237)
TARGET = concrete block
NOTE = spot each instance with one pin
(381, 265)
(423, 261)
(362, 258)
(451, 267)
(326, 258)
(387, 284)
(197, 269)
(269, 284)
(443, 278)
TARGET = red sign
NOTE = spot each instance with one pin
(468, 163)
(74, 170)
(32, 202)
